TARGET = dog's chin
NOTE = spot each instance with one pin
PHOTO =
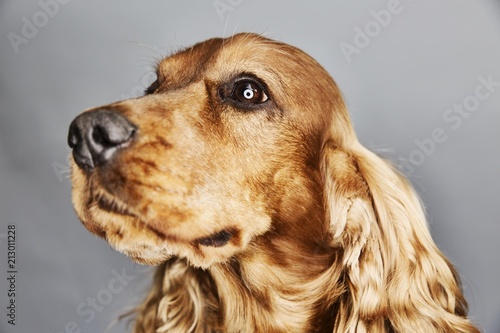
(141, 242)
(143, 256)
(155, 253)
(127, 234)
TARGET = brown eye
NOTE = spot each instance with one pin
(152, 88)
(249, 92)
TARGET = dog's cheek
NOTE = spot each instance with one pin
(293, 195)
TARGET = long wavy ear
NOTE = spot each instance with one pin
(395, 278)
(182, 300)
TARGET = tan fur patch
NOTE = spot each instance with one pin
(244, 181)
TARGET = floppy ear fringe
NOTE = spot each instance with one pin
(395, 278)
(182, 300)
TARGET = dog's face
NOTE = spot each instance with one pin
(225, 144)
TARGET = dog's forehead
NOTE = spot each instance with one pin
(187, 65)
(250, 53)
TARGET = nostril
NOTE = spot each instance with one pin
(113, 132)
(98, 136)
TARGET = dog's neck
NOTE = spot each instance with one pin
(279, 284)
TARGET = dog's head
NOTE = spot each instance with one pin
(243, 148)
(224, 142)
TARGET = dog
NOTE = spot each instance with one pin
(240, 176)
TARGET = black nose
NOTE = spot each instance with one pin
(96, 135)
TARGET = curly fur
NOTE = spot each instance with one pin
(265, 218)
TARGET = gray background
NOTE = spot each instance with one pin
(398, 89)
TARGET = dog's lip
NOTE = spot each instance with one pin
(217, 239)
(112, 205)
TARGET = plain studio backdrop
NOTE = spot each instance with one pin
(421, 79)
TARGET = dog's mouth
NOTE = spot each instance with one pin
(217, 239)
(110, 204)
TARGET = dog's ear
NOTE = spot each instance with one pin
(182, 299)
(394, 276)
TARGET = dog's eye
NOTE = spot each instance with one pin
(249, 92)
(152, 88)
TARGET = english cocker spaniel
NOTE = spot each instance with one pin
(240, 176)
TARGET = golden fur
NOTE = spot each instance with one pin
(269, 216)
